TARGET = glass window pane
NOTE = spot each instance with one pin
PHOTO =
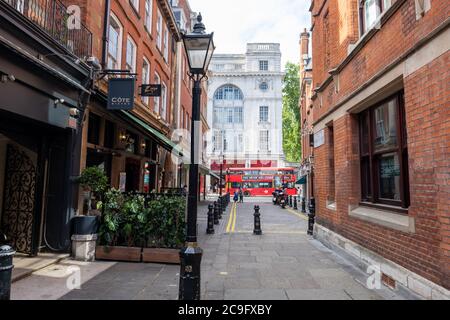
(230, 115)
(364, 127)
(263, 113)
(385, 122)
(366, 183)
(371, 13)
(389, 176)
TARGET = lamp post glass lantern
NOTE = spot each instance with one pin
(199, 48)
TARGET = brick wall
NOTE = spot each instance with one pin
(427, 251)
(92, 13)
(400, 33)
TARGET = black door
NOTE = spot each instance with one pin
(133, 170)
(19, 199)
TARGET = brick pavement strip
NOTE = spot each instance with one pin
(283, 263)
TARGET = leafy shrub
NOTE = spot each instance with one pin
(166, 222)
(94, 179)
(128, 220)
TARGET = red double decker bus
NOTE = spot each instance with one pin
(260, 181)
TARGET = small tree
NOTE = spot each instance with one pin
(95, 182)
(291, 113)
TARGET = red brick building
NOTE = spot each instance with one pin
(186, 19)
(143, 36)
(382, 136)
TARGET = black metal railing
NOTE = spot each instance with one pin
(53, 17)
(156, 196)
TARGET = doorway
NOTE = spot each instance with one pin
(18, 197)
(133, 170)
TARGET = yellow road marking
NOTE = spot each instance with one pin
(297, 214)
(230, 219)
(234, 219)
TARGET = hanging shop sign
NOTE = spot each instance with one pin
(151, 90)
(121, 93)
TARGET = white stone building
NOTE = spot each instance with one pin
(245, 108)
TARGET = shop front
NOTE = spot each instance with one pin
(134, 155)
(44, 85)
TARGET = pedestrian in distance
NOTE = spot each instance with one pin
(241, 195)
(236, 197)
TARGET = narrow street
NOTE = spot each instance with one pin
(282, 264)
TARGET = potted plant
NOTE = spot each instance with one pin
(121, 235)
(85, 227)
(94, 183)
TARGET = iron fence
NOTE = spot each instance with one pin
(54, 18)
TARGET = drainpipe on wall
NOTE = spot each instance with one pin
(106, 33)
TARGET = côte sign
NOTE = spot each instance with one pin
(121, 93)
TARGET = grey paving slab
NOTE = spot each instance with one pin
(284, 263)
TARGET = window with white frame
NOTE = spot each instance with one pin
(264, 140)
(263, 114)
(157, 80)
(145, 77)
(218, 141)
(115, 43)
(164, 101)
(131, 55)
(166, 43)
(240, 143)
(370, 11)
(148, 15)
(238, 116)
(18, 4)
(159, 24)
(228, 92)
(263, 65)
(135, 4)
(230, 115)
(225, 142)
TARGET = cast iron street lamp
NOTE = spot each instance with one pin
(222, 160)
(199, 48)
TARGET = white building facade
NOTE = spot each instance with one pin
(245, 108)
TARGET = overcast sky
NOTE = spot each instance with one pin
(237, 22)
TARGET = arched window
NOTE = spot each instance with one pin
(228, 92)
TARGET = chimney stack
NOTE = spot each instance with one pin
(304, 45)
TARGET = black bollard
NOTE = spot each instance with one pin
(290, 201)
(216, 213)
(221, 207)
(311, 216)
(257, 230)
(225, 203)
(295, 203)
(6, 266)
(303, 205)
(210, 229)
